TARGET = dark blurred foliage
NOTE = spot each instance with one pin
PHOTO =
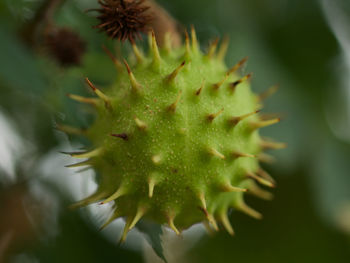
(289, 42)
(291, 231)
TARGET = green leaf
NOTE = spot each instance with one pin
(331, 179)
(18, 67)
(153, 233)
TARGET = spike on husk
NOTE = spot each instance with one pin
(134, 83)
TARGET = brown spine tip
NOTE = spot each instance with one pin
(172, 107)
(127, 67)
(212, 48)
(123, 136)
(116, 62)
(134, 84)
(266, 158)
(187, 43)
(99, 93)
(195, 45)
(273, 145)
(216, 86)
(269, 92)
(204, 211)
(235, 120)
(212, 116)
(156, 55)
(94, 198)
(262, 124)
(176, 72)
(223, 48)
(237, 66)
(198, 91)
(269, 116)
(237, 82)
(90, 84)
(201, 197)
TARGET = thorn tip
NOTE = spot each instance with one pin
(120, 192)
(235, 120)
(156, 159)
(212, 116)
(237, 66)
(123, 136)
(139, 214)
(195, 45)
(173, 106)
(223, 48)
(134, 84)
(226, 223)
(151, 185)
(269, 92)
(212, 48)
(175, 73)
(155, 50)
(227, 187)
(172, 226)
(249, 211)
(261, 180)
(216, 153)
(262, 124)
(82, 99)
(99, 93)
(237, 82)
(140, 124)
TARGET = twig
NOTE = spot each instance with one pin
(43, 15)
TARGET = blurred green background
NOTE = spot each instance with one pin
(304, 46)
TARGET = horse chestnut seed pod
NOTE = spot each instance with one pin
(176, 139)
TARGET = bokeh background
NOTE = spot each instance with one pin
(304, 46)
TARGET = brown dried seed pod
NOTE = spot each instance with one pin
(123, 19)
(65, 46)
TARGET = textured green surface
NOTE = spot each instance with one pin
(186, 135)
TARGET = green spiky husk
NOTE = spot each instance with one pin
(175, 146)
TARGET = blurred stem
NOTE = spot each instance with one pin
(44, 15)
(5, 242)
(163, 23)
